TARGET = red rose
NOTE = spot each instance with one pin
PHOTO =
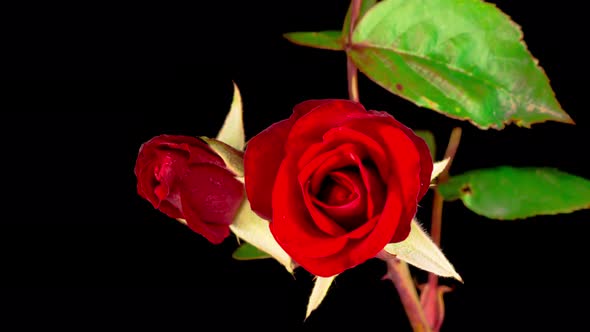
(182, 177)
(337, 182)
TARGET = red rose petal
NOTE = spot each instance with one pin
(314, 173)
(376, 189)
(307, 106)
(263, 156)
(425, 156)
(339, 157)
(320, 219)
(385, 228)
(349, 212)
(311, 127)
(406, 167)
(338, 219)
(356, 251)
(292, 225)
(262, 160)
(364, 143)
(210, 195)
(151, 188)
(364, 229)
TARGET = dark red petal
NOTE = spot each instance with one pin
(262, 159)
(406, 167)
(170, 209)
(160, 157)
(210, 195)
(317, 169)
(292, 225)
(313, 174)
(364, 229)
(195, 149)
(172, 139)
(155, 192)
(376, 189)
(311, 127)
(366, 146)
(307, 106)
(356, 251)
(349, 213)
(425, 156)
(319, 217)
(334, 219)
(264, 154)
(384, 230)
(214, 233)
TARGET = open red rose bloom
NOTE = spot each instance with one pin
(337, 182)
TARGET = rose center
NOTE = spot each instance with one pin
(338, 189)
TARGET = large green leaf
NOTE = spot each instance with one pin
(365, 6)
(463, 58)
(247, 252)
(515, 193)
(327, 40)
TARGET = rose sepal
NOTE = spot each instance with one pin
(246, 225)
(419, 250)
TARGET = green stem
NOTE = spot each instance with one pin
(399, 273)
(437, 204)
(353, 87)
(351, 70)
(436, 226)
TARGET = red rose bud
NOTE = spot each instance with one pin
(182, 177)
(431, 299)
(337, 182)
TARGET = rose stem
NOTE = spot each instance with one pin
(437, 206)
(399, 273)
(351, 70)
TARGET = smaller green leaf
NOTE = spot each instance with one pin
(232, 131)
(247, 252)
(419, 250)
(428, 137)
(516, 193)
(318, 293)
(327, 40)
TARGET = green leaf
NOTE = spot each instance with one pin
(249, 227)
(318, 293)
(419, 250)
(428, 137)
(365, 6)
(232, 131)
(247, 252)
(516, 193)
(327, 40)
(463, 58)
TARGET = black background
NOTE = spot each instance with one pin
(80, 250)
